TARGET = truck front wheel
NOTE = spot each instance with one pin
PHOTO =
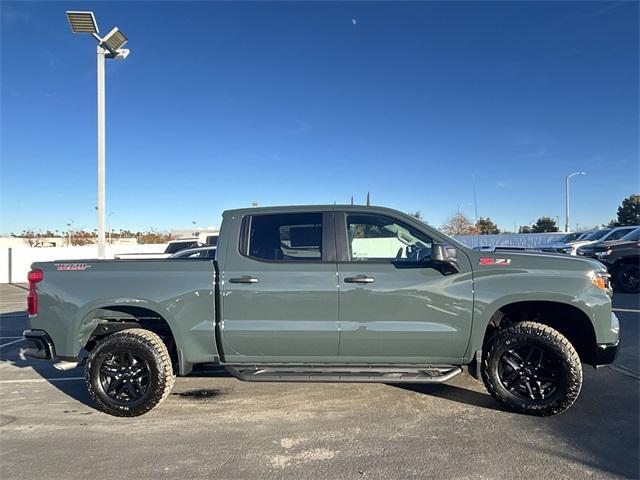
(129, 373)
(533, 369)
(628, 277)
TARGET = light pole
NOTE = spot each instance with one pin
(109, 46)
(566, 199)
(70, 226)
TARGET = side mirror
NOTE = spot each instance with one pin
(444, 254)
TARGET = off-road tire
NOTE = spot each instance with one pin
(622, 279)
(554, 344)
(145, 345)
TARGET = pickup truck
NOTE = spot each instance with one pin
(327, 293)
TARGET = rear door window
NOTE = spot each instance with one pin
(290, 237)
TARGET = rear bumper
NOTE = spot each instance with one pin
(606, 353)
(39, 345)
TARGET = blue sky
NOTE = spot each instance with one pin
(224, 104)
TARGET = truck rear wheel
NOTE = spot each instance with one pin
(533, 369)
(129, 373)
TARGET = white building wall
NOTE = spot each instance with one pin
(23, 257)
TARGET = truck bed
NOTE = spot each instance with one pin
(75, 295)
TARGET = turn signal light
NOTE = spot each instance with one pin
(601, 280)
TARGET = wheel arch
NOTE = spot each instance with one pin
(101, 319)
(570, 320)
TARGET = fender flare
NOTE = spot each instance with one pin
(86, 321)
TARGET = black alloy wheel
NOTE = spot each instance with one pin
(124, 377)
(529, 372)
(628, 277)
(129, 372)
(531, 368)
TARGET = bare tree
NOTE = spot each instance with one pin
(30, 236)
(417, 214)
(153, 236)
(459, 224)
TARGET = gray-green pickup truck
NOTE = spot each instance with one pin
(327, 293)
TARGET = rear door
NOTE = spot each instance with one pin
(279, 289)
(395, 306)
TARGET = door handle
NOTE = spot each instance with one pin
(244, 279)
(359, 279)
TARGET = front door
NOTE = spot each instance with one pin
(395, 306)
(279, 290)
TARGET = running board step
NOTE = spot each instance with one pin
(437, 374)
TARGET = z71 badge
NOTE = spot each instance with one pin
(494, 261)
(75, 267)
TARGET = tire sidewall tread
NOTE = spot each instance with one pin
(543, 336)
(147, 344)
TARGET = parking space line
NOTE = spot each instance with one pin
(39, 380)
(7, 338)
(11, 343)
(628, 310)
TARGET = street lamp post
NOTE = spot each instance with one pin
(566, 198)
(109, 46)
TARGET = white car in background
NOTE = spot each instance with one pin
(603, 235)
(204, 239)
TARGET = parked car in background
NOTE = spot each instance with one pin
(593, 249)
(197, 252)
(562, 244)
(207, 238)
(180, 244)
(622, 259)
(584, 235)
(602, 235)
(204, 239)
(571, 237)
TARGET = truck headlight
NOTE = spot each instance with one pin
(605, 253)
(601, 279)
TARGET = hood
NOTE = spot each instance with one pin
(581, 243)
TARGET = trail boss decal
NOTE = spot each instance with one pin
(75, 267)
(494, 261)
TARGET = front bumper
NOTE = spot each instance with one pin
(606, 353)
(39, 345)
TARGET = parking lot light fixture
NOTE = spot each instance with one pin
(109, 46)
(566, 198)
(82, 22)
(114, 40)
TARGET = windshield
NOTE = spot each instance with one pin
(634, 236)
(598, 235)
(570, 237)
(177, 246)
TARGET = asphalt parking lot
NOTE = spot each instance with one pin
(219, 427)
